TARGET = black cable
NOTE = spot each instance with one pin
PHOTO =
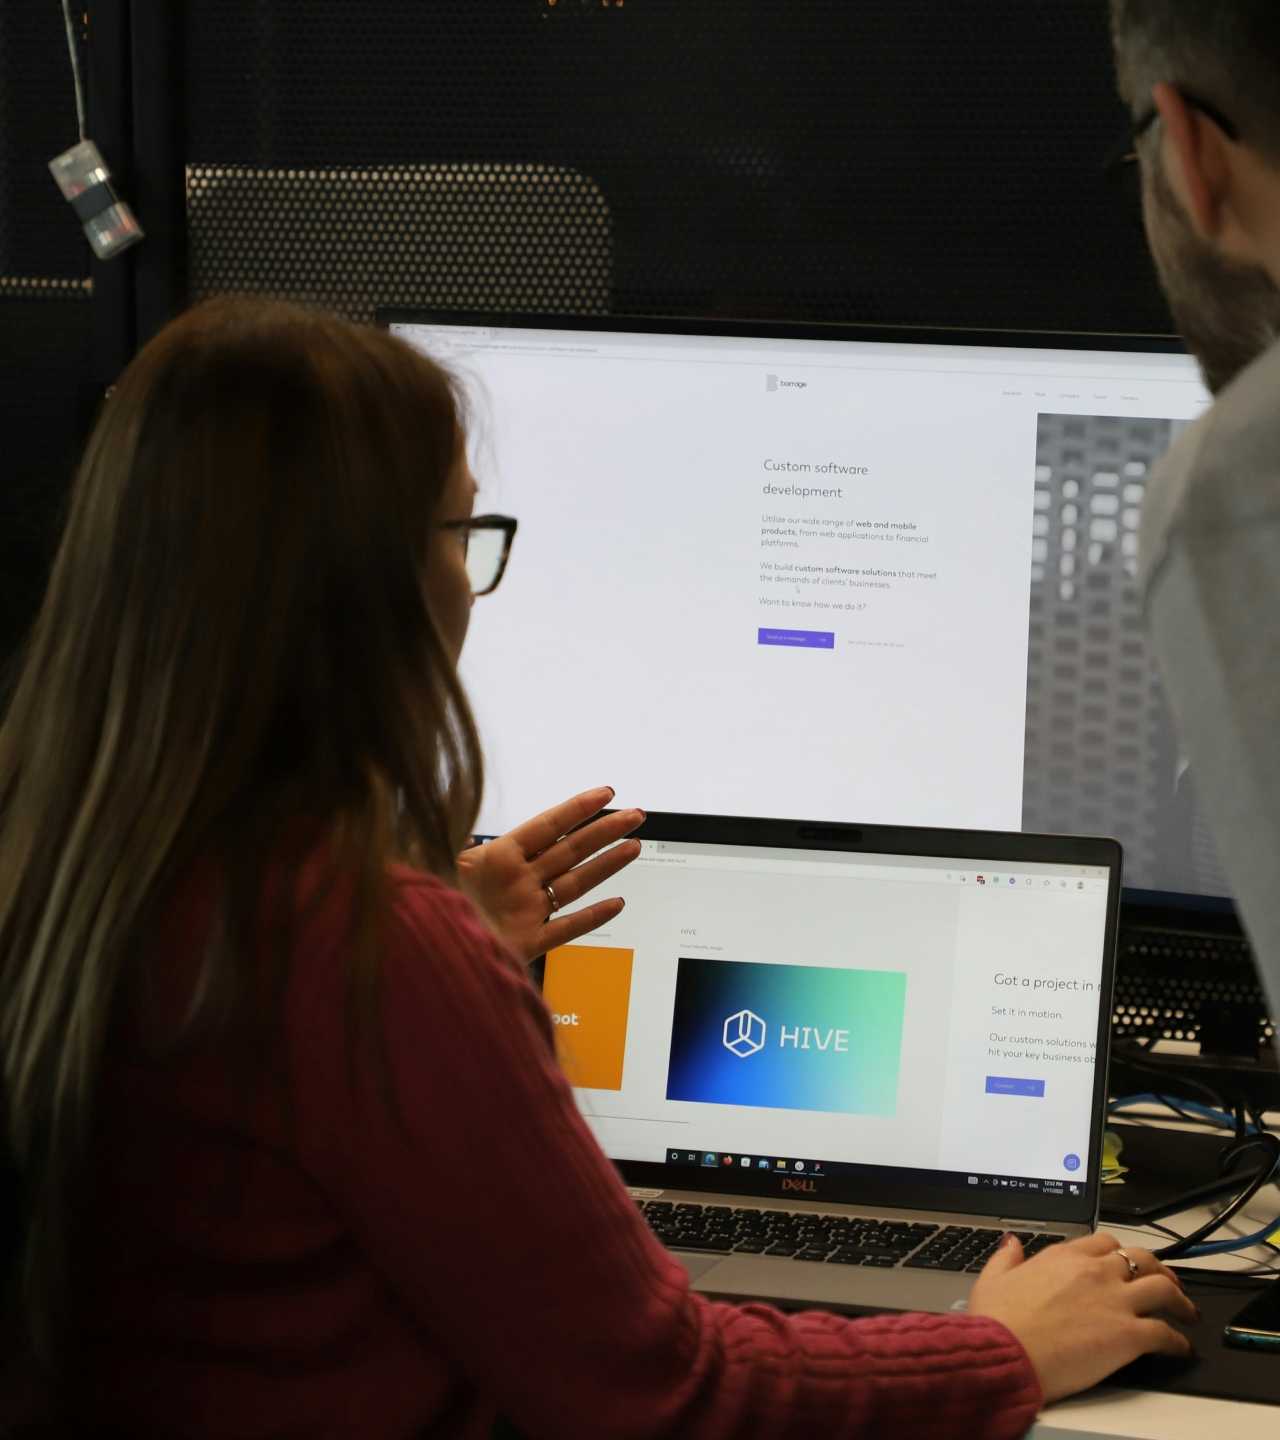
(74, 50)
(1154, 1067)
(1265, 1172)
(1164, 1229)
(1118, 1105)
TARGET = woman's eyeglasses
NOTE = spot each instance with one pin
(486, 543)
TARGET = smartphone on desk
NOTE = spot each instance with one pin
(1257, 1326)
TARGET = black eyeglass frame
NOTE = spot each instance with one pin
(506, 523)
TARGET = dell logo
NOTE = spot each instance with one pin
(744, 1034)
(790, 1183)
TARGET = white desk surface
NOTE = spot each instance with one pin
(1157, 1415)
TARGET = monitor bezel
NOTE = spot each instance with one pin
(1153, 344)
(1003, 847)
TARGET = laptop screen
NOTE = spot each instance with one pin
(863, 581)
(824, 1015)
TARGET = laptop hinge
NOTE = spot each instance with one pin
(1024, 1224)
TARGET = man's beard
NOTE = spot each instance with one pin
(1227, 313)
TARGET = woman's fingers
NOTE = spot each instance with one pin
(1155, 1287)
(577, 882)
(576, 847)
(1099, 1243)
(1158, 1292)
(544, 830)
(1157, 1338)
(567, 928)
(1008, 1255)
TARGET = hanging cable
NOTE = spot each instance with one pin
(84, 177)
(73, 47)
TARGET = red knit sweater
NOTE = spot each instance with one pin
(350, 1271)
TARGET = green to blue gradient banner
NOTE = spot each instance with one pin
(789, 1037)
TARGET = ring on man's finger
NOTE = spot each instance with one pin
(1129, 1261)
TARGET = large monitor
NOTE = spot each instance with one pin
(879, 577)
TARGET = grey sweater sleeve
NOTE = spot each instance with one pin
(1211, 573)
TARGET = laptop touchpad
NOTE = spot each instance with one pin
(698, 1265)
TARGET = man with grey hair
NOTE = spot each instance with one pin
(1202, 78)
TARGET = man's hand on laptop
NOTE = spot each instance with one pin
(520, 880)
(1080, 1311)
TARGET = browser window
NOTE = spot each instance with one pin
(788, 1008)
(792, 577)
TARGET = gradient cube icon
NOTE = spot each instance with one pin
(744, 1034)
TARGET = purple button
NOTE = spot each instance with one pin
(810, 639)
(1009, 1085)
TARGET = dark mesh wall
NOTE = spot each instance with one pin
(44, 306)
(896, 161)
(889, 161)
(479, 237)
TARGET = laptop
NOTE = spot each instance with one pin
(837, 1063)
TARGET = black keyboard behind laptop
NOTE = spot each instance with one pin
(833, 1239)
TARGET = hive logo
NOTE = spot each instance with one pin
(789, 1037)
(588, 991)
(744, 1034)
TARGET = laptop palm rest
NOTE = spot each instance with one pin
(697, 1265)
(784, 1281)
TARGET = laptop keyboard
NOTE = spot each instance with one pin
(830, 1239)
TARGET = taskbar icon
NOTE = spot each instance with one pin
(1021, 1182)
(736, 1162)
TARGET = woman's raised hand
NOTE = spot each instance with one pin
(508, 878)
(1079, 1309)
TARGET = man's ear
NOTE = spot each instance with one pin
(1200, 174)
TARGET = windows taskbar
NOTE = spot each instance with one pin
(735, 1162)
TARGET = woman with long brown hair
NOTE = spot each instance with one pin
(295, 1152)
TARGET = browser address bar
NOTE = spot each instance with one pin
(833, 870)
(1038, 883)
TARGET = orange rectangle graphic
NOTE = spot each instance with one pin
(588, 991)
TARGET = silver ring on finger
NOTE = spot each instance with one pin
(1130, 1262)
(551, 896)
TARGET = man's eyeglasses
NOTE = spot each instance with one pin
(486, 542)
(1125, 150)
(1122, 160)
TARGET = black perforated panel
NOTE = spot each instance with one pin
(486, 237)
(1176, 986)
(39, 234)
(43, 354)
(899, 161)
(44, 309)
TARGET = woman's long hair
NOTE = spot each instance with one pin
(234, 663)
